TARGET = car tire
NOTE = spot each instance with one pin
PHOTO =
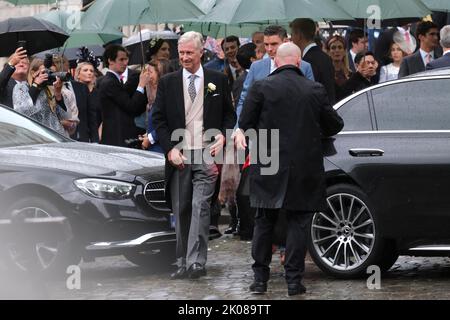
(47, 258)
(345, 239)
(158, 258)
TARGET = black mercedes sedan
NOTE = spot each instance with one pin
(112, 198)
(388, 177)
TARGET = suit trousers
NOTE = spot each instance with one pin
(296, 243)
(192, 190)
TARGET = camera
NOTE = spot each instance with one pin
(134, 143)
(64, 76)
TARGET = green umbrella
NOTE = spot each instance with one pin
(116, 13)
(244, 11)
(389, 9)
(72, 23)
(438, 5)
(29, 2)
(221, 30)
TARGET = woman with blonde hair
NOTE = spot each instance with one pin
(337, 51)
(49, 107)
(86, 75)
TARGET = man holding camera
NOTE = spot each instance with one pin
(119, 108)
(14, 71)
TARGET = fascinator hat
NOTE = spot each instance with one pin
(88, 56)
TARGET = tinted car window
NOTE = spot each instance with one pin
(17, 130)
(356, 114)
(414, 105)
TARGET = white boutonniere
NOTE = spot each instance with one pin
(210, 88)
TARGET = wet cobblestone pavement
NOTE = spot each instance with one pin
(230, 274)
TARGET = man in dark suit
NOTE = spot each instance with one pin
(118, 108)
(428, 35)
(302, 115)
(189, 104)
(15, 70)
(303, 32)
(358, 42)
(228, 65)
(444, 61)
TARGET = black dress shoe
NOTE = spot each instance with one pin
(258, 287)
(181, 273)
(196, 271)
(295, 289)
(230, 230)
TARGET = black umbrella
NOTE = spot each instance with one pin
(39, 35)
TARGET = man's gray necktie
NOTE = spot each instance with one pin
(191, 89)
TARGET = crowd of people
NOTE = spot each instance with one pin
(124, 107)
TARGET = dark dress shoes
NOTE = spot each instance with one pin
(181, 273)
(258, 287)
(196, 271)
(295, 289)
(230, 230)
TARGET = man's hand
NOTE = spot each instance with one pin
(176, 158)
(145, 142)
(218, 145)
(239, 140)
(144, 78)
(17, 56)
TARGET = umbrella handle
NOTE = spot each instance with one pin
(142, 48)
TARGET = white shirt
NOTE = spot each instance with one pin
(140, 89)
(125, 76)
(424, 55)
(272, 66)
(311, 45)
(199, 74)
(353, 55)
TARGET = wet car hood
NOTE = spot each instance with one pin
(84, 159)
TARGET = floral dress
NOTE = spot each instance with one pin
(41, 110)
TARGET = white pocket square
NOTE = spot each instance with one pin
(216, 95)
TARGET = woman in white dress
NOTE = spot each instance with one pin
(390, 71)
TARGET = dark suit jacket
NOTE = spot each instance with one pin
(351, 63)
(7, 86)
(413, 64)
(87, 130)
(356, 83)
(169, 111)
(323, 70)
(303, 114)
(238, 85)
(442, 62)
(119, 111)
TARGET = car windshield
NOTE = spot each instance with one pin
(17, 130)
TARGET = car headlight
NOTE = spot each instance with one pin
(105, 189)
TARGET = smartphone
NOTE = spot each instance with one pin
(22, 44)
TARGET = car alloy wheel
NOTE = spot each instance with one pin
(46, 252)
(343, 236)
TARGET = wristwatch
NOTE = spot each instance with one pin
(34, 84)
(9, 64)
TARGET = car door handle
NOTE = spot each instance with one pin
(366, 152)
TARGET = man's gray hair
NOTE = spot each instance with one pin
(192, 36)
(445, 37)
